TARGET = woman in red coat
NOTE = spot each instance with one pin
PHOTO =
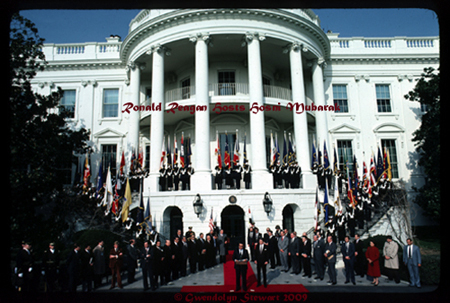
(372, 255)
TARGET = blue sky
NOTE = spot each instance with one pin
(75, 26)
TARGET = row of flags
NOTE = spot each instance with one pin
(183, 159)
(379, 172)
(227, 157)
(289, 154)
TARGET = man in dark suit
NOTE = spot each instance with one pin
(306, 256)
(348, 253)
(73, 267)
(87, 268)
(272, 247)
(201, 248)
(330, 254)
(251, 241)
(360, 258)
(50, 263)
(132, 257)
(146, 256)
(184, 256)
(318, 252)
(261, 261)
(169, 256)
(193, 254)
(222, 243)
(158, 263)
(241, 254)
(294, 253)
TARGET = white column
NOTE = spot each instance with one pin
(157, 117)
(319, 99)
(201, 179)
(134, 69)
(261, 179)
(300, 119)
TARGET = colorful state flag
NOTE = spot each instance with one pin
(217, 151)
(163, 154)
(336, 162)
(99, 180)
(372, 172)
(122, 163)
(337, 199)
(273, 151)
(236, 150)
(326, 160)
(291, 154)
(314, 160)
(227, 159)
(169, 153)
(126, 202)
(379, 166)
(188, 150)
(86, 173)
(175, 149)
(285, 150)
(182, 151)
(245, 150)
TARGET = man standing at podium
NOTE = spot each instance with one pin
(240, 257)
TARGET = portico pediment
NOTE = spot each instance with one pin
(109, 133)
(344, 128)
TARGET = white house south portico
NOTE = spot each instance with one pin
(221, 77)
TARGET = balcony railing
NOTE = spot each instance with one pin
(224, 89)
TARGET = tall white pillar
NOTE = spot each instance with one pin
(300, 119)
(319, 99)
(201, 179)
(261, 179)
(157, 117)
(134, 69)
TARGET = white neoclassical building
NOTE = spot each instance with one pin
(210, 71)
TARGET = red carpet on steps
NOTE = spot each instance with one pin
(229, 285)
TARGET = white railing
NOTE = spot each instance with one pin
(377, 43)
(223, 89)
(70, 49)
(108, 48)
(419, 42)
(395, 44)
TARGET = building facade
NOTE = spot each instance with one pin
(221, 76)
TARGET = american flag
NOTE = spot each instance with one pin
(211, 221)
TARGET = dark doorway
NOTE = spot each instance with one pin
(288, 218)
(233, 225)
(176, 222)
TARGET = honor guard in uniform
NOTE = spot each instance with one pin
(50, 263)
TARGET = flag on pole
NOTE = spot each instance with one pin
(349, 188)
(291, 154)
(389, 168)
(115, 203)
(227, 159)
(99, 180)
(188, 150)
(336, 161)
(277, 148)
(217, 151)
(140, 161)
(337, 199)
(108, 197)
(373, 172)
(236, 150)
(175, 149)
(245, 149)
(250, 216)
(273, 150)
(326, 160)
(285, 150)
(122, 163)
(169, 153)
(211, 221)
(182, 151)
(126, 202)
(314, 160)
(148, 215)
(379, 166)
(133, 161)
(140, 214)
(163, 153)
(86, 173)
(326, 204)
(316, 210)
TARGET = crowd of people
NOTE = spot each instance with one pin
(176, 177)
(162, 263)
